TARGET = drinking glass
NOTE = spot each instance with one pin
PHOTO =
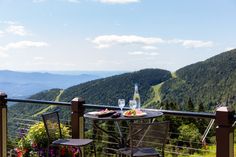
(121, 104)
(132, 104)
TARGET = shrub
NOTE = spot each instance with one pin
(36, 139)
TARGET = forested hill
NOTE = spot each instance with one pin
(104, 91)
(207, 82)
(108, 90)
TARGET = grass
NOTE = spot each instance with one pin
(173, 75)
(156, 93)
(211, 152)
(49, 107)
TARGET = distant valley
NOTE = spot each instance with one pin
(25, 84)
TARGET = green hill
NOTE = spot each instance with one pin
(28, 110)
(104, 91)
(109, 90)
(209, 82)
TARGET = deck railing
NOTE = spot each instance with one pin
(224, 118)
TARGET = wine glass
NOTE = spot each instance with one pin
(132, 104)
(121, 104)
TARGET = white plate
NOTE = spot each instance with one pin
(137, 115)
(101, 113)
(95, 113)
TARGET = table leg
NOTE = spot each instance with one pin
(122, 140)
(94, 131)
(98, 127)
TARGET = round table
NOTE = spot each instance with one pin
(149, 115)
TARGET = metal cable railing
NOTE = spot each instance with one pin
(171, 149)
(38, 101)
(29, 122)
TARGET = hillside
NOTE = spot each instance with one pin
(208, 82)
(101, 91)
(28, 109)
(109, 90)
(211, 81)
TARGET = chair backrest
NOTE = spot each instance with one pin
(52, 125)
(149, 135)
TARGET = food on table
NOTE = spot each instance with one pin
(106, 111)
(134, 112)
(116, 115)
(103, 113)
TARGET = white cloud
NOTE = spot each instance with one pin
(144, 43)
(17, 29)
(193, 43)
(230, 48)
(149, 47)
(3, 54)
(143, 53)
(1, 33)
(22, 44)
(38, 1)
(118, 1)
(25, 44)
(38, 58)
(105, 41)
(197, 43)
(73, 1)
(136, 53)
(102, 46)
(152, 53)
(8, 22)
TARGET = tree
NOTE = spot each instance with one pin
(190, 106)
(189, 133)
(201, 107)
(201, 123)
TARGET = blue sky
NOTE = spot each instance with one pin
(55, 35)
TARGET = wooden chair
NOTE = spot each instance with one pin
(146, 139)
(52, 125)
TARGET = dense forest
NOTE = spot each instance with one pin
(209, 82)
(108, 90)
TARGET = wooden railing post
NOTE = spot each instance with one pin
(224, 132)
(3, 125)
(77, 119)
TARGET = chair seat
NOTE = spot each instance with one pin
(72, 142)
(139, 151)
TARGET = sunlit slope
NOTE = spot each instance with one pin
(50, 107)
(24, 110)
(155, 97)
(209, 82)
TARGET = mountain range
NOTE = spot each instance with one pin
(25, 84)
(208, 82)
